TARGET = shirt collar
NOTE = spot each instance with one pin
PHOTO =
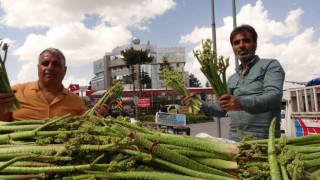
(35, 86)
(250, 64)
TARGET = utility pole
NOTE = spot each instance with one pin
(214, 48)
(234, 15)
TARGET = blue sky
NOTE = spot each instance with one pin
(86, 29)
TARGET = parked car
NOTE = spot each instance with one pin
(115, 112)
(171, 108)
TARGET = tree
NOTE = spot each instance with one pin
(194, 82)
(145, 79)
(133, 57)
(165, 64)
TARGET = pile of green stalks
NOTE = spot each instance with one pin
(4, 80)
(92, 147)
(213, 67)
(282, 158)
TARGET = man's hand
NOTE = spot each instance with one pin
(6, 99)
(229, 102)
(102, 110)
(186, 99)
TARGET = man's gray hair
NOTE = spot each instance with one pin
(54, 51)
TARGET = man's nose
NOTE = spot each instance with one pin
(50, 66)
(241, 43)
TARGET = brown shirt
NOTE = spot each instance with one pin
(34, 105)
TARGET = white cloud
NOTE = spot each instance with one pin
(298, 54)
(63, 23)
(196, 35)
(28, 72)
(80, 45)
(131, 13)
(43, 13)
(74, 80)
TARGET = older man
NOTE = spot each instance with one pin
(46, 97)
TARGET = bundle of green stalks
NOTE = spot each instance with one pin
(112, 93)
(174, 79)
(4, 81)
(212, 67)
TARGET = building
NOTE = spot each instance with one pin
(112, 66)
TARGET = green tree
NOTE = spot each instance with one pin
(194, 82)
(134, 57)
(145, 79)
(165, 64)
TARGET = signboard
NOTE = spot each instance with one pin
(168, 118)
(144, 102)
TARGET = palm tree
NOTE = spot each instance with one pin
(134, 57)
(145, 79)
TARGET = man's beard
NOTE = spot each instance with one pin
(246, 57)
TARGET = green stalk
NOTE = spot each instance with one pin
(284, 172)
(18, 123)
(202, 154)
(8, 163)
(9, 138)
(5, 83)
(309, 138)
(228, 149)
(17, 128)
(272, 156)
(33, 149)
(174, 166)
(139, 175)
(310, 156)
(311, 163)
(22, 176)
(174, 157)
(304, 149)
(55, 169)
(217, 163)
(39, 157)
(32, 164)
(315, 175)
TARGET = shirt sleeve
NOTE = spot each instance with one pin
(213, 110)
(271, 97)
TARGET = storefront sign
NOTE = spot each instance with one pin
(144, 102)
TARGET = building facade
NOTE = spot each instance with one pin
(112, 66)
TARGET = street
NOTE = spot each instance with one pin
(211, 128)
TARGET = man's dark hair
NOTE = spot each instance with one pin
(54, 51)
(243, 29)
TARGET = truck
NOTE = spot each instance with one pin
(302, 111)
